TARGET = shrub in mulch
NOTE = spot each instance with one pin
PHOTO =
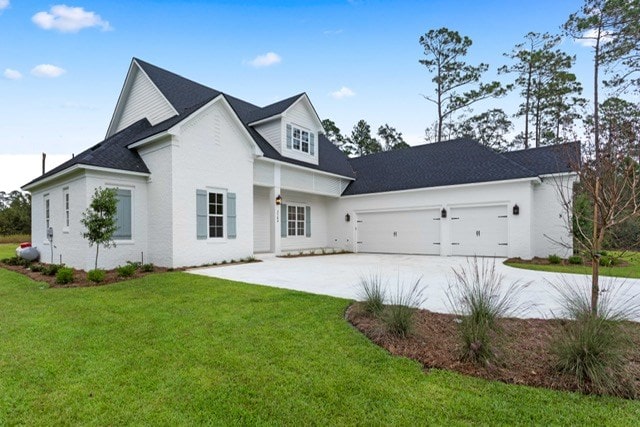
(605, 261)
(525, 357)
(72, 277)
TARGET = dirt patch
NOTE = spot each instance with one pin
(526, 358)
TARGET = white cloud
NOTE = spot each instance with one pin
(12, 74)
(266, 60)
(47, 70)
(69, 19)
(4, 4)
(588, 38)
(343, 92)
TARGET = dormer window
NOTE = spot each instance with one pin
(300, 139)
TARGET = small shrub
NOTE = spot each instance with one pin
(147, 268)
(554, 259)
(575, 260)
(126, 270)
(478, 296)
(372, 294)
(64, 275)
(591, 347)
(36, 268)
(608, 261)
(604, 253)
(50, 269)
(398, 316)
(223, 262)
(96, 276)
(135, 264)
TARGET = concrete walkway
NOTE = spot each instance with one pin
(339, 275)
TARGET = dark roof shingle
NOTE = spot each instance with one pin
(548, 160)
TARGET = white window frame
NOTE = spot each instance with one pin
(296, 221)
(302, 139)
(126, 240)
(66, 205)
(222, 215)
(47, 212)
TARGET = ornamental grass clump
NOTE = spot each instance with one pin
(398, 315)
(592, 347)
(478, 295)
(372, 293)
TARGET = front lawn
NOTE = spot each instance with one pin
(631, 270)
(8, 250)
(180, 349)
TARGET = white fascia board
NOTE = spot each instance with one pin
(78, 167)
(559, 175)
(266, 120)
(280, 162)
(125, 91)
(150, 139)
(533, 180)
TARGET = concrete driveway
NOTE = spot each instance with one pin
(339, 275)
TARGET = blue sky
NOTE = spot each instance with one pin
(62, 67)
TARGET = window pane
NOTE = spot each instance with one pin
(296, 133)
(300, 213)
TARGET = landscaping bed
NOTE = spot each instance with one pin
(80, 278)
(526, 358)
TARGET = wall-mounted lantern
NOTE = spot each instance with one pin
(347, 217)
(443, 213)
(516, 209)
(278, 200)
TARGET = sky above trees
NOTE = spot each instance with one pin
(62, 67)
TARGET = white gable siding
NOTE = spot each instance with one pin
(213, 154)
(301, 115)
(272, 132)
(143, 100)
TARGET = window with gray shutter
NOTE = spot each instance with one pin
(289, 137)
(307, 219)
(123, 215)
(312, 143)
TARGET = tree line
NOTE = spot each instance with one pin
(552, 109)
(15, 213)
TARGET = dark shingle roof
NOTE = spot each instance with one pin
(547, 160)
(111, 153)
(460, 161)
(272, 109)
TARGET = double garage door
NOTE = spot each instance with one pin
(481, 231)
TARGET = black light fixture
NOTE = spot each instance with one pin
(443, 213)
(347, 217)
(278, 200)
(516, 209)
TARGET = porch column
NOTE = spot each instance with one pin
(275, 209)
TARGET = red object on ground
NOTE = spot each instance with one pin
(25, 245)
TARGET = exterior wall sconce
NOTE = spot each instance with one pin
(443, 213)
(278, 200)
(347, 217)
(516, 209)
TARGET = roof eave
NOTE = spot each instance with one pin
(78, 166)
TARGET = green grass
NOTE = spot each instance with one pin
(8, 250)
(180, 349)
(631, 271)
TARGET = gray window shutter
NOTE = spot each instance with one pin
(289, 140)
(231, 215)
(201, 214)
(312, 143)
(307, 220)
(123, 215)
(283, 220)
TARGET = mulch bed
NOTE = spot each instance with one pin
(545, 261)
(525, 359)
(80, 279)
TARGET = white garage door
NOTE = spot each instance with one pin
(400, 232)
(481, 231)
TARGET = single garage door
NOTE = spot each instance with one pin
(481, 231)
(400, 232)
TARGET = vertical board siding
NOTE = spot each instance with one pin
(261, 220)
(143, 100)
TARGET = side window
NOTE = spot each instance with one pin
(47, 213)
(216, 215)
(297, 221)
(65, 204)
(123, 215)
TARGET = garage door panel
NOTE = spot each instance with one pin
(410, 232)
(481, 231)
